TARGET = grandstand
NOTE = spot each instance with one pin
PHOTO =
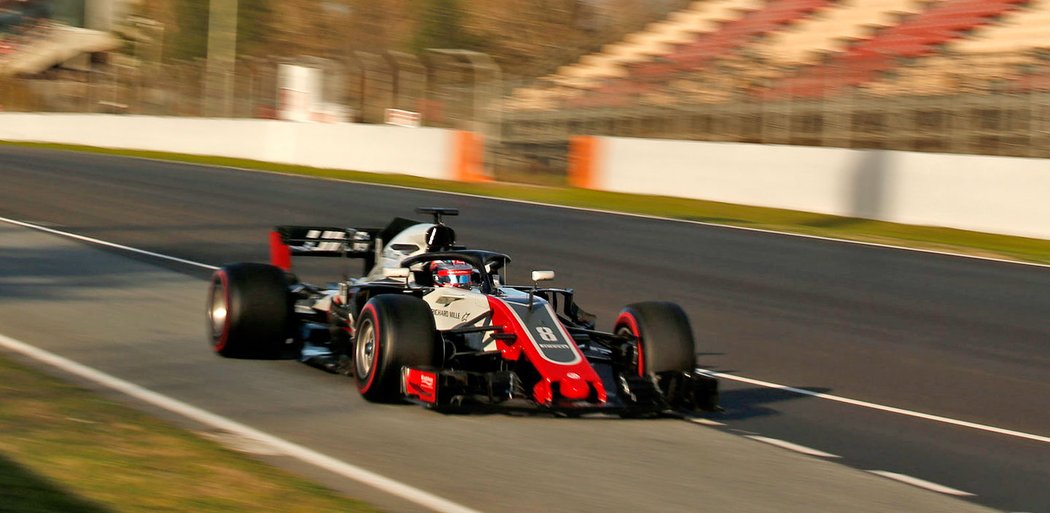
(967, 76)
(34, 37)
(55, 45)
(658, 38)
(809, 47)
(938, 75)
(1003, 52)
(921, 34)
(807, 42)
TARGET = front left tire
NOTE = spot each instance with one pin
(393, 331)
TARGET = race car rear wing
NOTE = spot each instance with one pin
(321, 241)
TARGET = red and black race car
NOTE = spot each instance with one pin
(435, 323)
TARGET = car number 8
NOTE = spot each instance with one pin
(546, 334)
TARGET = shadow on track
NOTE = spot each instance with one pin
(41, 274)
(747, 403)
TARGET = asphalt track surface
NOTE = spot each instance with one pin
(959, 338)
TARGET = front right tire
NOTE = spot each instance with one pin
(663, 338)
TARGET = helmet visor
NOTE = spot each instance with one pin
(453, 278)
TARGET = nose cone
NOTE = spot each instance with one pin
(574, 388)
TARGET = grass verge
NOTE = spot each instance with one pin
(65, 449)
(789, 221)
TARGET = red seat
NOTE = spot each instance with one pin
(865, 61)
(737, 33)
(916, 36)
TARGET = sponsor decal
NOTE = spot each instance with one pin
(420, 384)
(447, 300)
(545, 333)
(325, 245)
(447, 313)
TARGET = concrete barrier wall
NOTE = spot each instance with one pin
(425, 152)
(990, 194)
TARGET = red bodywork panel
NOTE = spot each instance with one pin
(565, 374)
(420, 384)
(280, 253)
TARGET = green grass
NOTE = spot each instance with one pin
(64, 449)
(790, 221)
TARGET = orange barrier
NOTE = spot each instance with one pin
(468, 157)
(583, 161)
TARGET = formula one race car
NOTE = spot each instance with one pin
(434, 322)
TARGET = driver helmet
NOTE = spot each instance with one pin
(451, 273)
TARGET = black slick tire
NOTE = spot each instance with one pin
(664, 338)
(249, 311)
(392, 331)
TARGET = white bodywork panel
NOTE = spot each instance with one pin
(410, 242)
(455, 308)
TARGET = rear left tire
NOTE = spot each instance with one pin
(249, 311)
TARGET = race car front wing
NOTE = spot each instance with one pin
(459, 390)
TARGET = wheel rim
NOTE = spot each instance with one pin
(626, 331)
(365, 349)
(217, 312)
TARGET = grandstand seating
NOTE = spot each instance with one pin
(832, 30)
(811, 48)
(58, 44)
(705, 48)
(956, 72)
(658, 38)
(916, 36)
(1016, 31)
(733, 35)
(1004, 53)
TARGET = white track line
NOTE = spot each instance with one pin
(873, 406)
(107, 244)
(703, 421)
(792, 446)
(921, 483)
(733, 377)
(296, 451)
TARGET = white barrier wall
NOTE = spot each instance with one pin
(990, 194)
(426, 152)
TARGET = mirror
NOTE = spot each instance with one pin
(395, 272)
(538, 276)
